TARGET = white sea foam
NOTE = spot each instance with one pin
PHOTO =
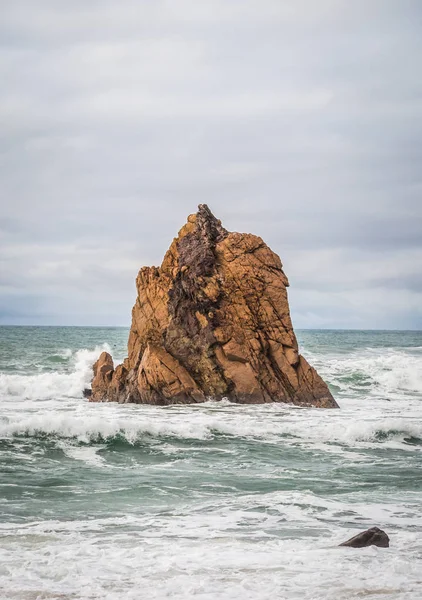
(53, 385)
(377, 420)
(86, 454)
(169, 535)
(215, 552)
(207, 422)
(376, 372)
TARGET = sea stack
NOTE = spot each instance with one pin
(212, 322)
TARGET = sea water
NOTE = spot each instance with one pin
(214, 500)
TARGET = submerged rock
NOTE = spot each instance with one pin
(213, 321)
(370, 537)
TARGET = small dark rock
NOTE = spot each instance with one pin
(370, 537)
(87, 393)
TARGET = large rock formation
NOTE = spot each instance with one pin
(212, 322)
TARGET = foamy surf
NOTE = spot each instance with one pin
(376, 372)
(56, 384)
(211, 501)
(287, 426)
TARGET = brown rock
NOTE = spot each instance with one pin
(103, 372)
(213, 321)
(163, 380)
(370, 537)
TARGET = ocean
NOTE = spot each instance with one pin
(211, 501)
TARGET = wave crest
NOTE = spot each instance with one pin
(44, 386)
(207, 427)
(373, 372)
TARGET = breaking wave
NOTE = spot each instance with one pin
(208, 427)
(364, 384)
(375, 373)
(56, 384)
(214, 500)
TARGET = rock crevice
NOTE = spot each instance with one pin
(212, 322)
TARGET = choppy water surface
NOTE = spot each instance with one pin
(209, 501)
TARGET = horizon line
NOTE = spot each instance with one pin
(295, 328)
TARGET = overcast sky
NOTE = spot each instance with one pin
(299, 121)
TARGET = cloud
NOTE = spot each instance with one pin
(300, 122)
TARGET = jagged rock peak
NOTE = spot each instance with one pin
(209, 226)
(212, 322)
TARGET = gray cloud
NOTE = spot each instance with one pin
(301, 122)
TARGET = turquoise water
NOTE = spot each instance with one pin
(208, 501)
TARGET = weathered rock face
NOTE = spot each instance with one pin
(212, 321)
